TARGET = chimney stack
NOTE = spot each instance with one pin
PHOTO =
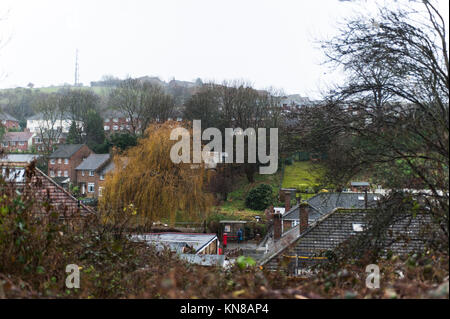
(277, 226)
(298, 197)
(304, 216)
(287, 200)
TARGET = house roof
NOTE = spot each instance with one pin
(108, 168)
(360, 184)
(41, 116)
(323, 203)
(93, 162)
(111, 113)
(19, 158)
(177, 241)
(7, 117)
(334, 228)
(17, 136)
(66, 150)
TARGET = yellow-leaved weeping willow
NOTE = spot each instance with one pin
(146, 186)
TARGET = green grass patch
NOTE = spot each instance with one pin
(302, 174)
(234, 208)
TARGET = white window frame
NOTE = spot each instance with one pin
(66, 173)
(91, 187)
(59, 173)
(66, 161)
(59, 160)
(102, 177)
(52, 173)
(91, 173)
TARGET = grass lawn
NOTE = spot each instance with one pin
(303, 174)
(234, 208)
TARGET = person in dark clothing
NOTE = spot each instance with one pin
(239, 235)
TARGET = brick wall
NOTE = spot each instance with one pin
(74, 161)
(86, 179)
(44, 189)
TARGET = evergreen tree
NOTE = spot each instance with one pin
(73, 137)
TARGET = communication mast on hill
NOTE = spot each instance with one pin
(77, 74)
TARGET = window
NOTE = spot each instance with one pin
(52, 161)
(121, 127)
(59, 173)
(66, 174)
(21, 143)
(107, 120)
(91, 173)
(102, 177)
(91, 187)
(52, 173)
(82, 173)
(100, 190)
(115, 120)
(66, 161)
(5, 144)
(115, 127)
(13, 143)
(128, 119)
(106, 128)
(59, 160)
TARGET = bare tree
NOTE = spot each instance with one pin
(142, 102)
(52, 113)
(392, 113)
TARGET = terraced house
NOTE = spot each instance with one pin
(62, 162)
(8, 121)
(91, 174)
(17, 141)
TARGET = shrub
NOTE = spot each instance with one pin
(260, 197)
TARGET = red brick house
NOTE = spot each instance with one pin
(91, 174)
(8, 121)
(62, 162)
(116, 122)
(17, 141)
(43, 188)
(48, 140)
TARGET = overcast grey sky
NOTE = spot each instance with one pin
(269, 43)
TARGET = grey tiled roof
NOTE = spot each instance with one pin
(360, 184)
(17, 136)
(404, 235)
(93, 162)
(7, 117)
(66, 150)
(323, 203)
